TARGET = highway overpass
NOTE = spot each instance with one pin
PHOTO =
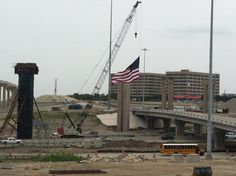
(220, 123)
(7, 93)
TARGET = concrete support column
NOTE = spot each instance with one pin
(158, 123)
(0, 95)
(8, 97)
(167, 94)
(218, 139)
(7, 93)
(14, 92)
(163, 94)
(166, 124)
(151, 123)
(123, 107)
(198, 129)
(4, 97)
(179, 128)
(170, 94)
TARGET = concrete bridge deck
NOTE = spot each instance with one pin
(221, 122)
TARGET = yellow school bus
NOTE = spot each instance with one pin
(181, 148)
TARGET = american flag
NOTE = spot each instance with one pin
(130, 74)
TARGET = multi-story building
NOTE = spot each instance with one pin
(191, 83)
(148, 85)
(185, 83)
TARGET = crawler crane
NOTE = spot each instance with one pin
(116, 47)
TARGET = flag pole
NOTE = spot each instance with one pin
(109, 79)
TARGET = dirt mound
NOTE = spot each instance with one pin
(231, 104)
(55, 98)
(93, 124)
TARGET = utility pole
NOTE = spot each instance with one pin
(210, 99)
(144, 52)
(55, 88)
(109, 78)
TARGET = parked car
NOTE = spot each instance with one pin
(11, 140)
(230, 135)
(167, 137)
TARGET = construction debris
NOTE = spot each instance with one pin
(124, 157)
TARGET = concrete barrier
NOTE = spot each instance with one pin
(202, 171)
(177, 158)
(92, 143)
(193, 158)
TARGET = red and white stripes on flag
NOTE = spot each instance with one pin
(130, 74)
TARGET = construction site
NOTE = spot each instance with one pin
(89, 131)
(104, 150)
(62, 135)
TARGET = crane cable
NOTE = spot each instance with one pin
(91, 73)
(98, 62)
(140, 30)
(136, 24)
(137, 29)
(102, 57)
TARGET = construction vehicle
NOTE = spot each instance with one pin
(116, 48)
(76, 130)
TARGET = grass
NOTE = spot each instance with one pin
(57, 118)
(57, 157)
(60, 115)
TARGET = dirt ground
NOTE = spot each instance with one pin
(162, 166)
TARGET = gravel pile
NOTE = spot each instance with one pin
(55, 99)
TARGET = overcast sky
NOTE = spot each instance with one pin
(66, 39)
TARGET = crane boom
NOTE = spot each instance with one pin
(116, 48)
